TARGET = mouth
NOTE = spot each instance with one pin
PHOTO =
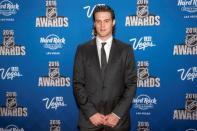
(102, 30)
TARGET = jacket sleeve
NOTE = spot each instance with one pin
(79, 84)
(130, 80)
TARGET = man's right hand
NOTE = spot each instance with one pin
(97, 119)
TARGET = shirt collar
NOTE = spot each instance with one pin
(108, 41)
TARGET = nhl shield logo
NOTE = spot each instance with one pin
(143, 129)
(11, 103)
(191, 105)
(54, 73)
(143, 73)
(54, 128)
(191, 40)
(51, 12)
(142, 11)
(8, 41)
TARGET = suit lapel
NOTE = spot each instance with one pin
(94, 54)
(113, 53)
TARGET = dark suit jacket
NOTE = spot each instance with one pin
(113, 92)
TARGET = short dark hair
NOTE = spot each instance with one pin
(103, 8)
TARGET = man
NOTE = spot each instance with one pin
(104, 77)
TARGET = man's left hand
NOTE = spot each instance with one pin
(111, 120)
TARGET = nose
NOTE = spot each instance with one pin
(102, 24)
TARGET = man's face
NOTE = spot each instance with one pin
(104, 24)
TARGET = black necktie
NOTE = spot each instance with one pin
(103, 56)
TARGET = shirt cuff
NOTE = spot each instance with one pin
(116, 115)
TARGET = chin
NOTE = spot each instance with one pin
(103, 34)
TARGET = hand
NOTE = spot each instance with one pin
(111, 120)
(97, 119)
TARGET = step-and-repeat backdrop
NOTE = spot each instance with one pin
(38, 40)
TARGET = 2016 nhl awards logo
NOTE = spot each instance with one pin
(51, 19)
(190, 45)
(143, 16)
(9, 47)
(54, 79)
(190, 111)
(12, 128)
(55, 125)
(52, 42)
(8, 8)
(12, 108)
(144, 78)
(142, 43)
(143, 126)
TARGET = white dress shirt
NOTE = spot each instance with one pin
(107, 47)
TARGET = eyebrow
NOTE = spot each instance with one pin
(104, 19)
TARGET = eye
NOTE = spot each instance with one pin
(98, 21)
(107, 20)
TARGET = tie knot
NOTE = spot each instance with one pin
(103, 44)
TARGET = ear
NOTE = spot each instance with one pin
(114, 22)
